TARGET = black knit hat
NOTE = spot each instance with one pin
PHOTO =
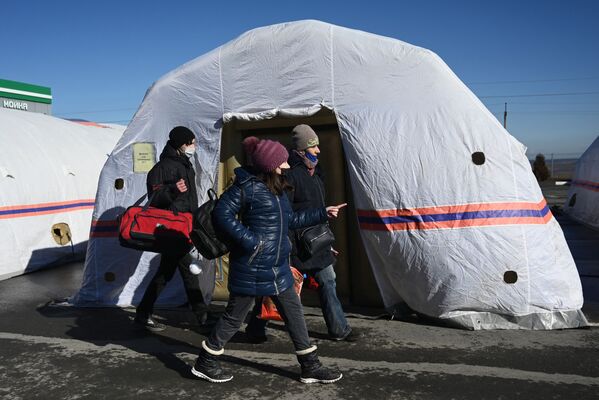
(179, 136)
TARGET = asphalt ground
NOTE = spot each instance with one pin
(49, 350)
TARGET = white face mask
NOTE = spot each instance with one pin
(190, 150)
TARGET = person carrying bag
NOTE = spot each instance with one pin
(153, 229)
(259, 261)
(171, 187)
(312, 252)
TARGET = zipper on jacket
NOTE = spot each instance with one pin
(255, 253)
(279, 244)
(321, 193)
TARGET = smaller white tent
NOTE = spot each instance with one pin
(49, 170)
(583, 197)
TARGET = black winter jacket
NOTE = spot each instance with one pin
(308, 193)
(163, 178)
(259, 258)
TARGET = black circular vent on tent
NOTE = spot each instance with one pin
(572, 200)
(510, 276)
(478, 158)
(109, 277)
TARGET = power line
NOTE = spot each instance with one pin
(548, 103)
(533, 81)
(538, 95)
(555, 112)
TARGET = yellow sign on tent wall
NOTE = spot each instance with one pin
(144, 157)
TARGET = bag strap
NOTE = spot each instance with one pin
(213, 197)
(141, 199)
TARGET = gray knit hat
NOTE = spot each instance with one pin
(304, 137)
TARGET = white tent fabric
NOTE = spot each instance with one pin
(49, 170)
(583, 196)
(440, 231)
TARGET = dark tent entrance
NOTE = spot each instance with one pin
(355, 280)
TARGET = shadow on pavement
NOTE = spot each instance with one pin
(114, 326)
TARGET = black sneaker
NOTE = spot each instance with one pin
(208, 367)
(313, 371)
(149, 324)
(214, 375)
(352, 336)
(320, 375)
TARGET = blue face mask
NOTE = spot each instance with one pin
(311, 157)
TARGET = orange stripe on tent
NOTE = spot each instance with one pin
(473, 207)
(42, 205)
(103, 234)
(96, 222)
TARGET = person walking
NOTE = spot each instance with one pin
(171, 185)
(306, 177)
(259, 260)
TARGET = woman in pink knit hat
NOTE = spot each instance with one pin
(259, 259)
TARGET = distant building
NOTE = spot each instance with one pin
(25, 97)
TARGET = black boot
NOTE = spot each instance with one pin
(313, 371)
(208, 367)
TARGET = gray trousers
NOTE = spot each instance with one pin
(289, 306)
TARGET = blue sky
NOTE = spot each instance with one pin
(100, 57)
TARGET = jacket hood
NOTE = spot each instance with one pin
(244, 174)
(170, 152)
(294, 159)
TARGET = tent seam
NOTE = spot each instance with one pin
(220, 78)
(332, 67)
(525, 244)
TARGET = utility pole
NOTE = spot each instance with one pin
(505, 117)
(551, 165)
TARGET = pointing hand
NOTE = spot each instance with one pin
(333, 211)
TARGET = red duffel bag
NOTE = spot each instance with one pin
(154, 229)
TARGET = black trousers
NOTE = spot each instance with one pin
(289, 306)
(169, 262)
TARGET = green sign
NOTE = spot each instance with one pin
(25, 91)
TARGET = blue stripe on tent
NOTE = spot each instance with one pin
(457, 216)
(44, 209)
(112, 228)
(586, 184)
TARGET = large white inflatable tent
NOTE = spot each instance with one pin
(583, 196)
(450, 214)
(49, 170)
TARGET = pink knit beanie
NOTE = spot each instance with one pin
(268, 155)
(249, 145)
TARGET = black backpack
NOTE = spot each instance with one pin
(203, 235)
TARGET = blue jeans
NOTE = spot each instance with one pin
(332, 311)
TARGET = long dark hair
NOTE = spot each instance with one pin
(276, 183)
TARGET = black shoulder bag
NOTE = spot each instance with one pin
(315, 239)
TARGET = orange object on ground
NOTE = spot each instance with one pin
(269, 310)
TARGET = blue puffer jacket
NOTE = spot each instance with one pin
(259, 258)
